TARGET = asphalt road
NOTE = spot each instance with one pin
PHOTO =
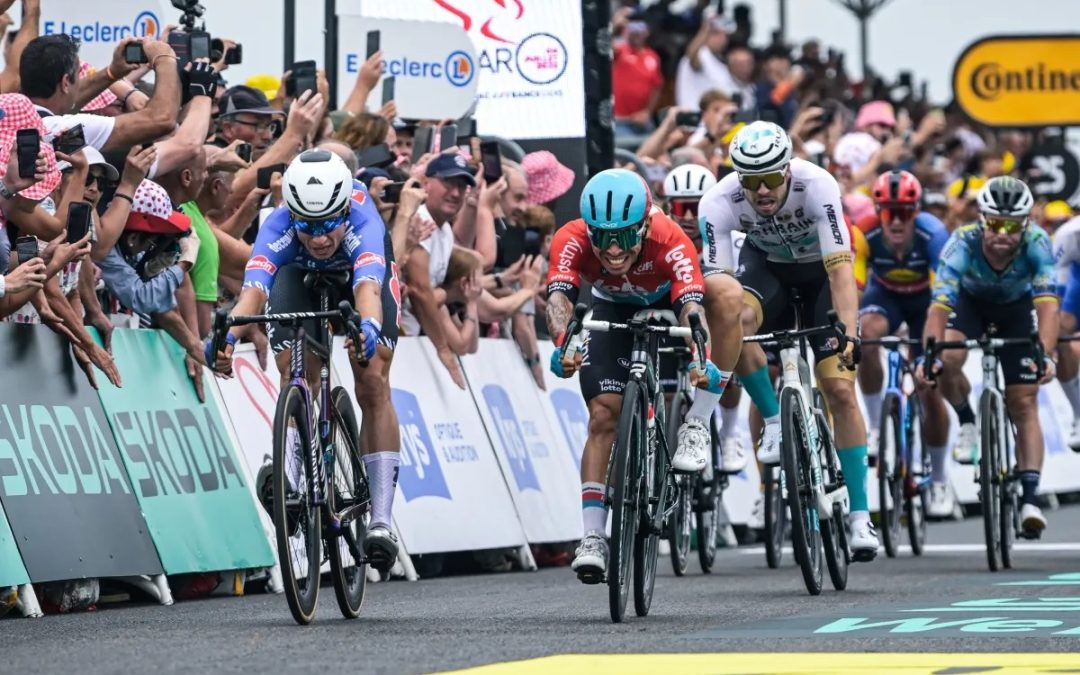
(944, 602)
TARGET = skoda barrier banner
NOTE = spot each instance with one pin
(541, 472)
(451, 493)
(12, 571)
(189, 480)
(63, 485)
(433, 65)
(528, 59)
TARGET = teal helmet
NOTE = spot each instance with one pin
(615, 199)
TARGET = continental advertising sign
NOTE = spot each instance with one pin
(1020, 80)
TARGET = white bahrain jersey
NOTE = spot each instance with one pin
(1067, 248)
(808, 227)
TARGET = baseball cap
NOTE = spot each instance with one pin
(450, 166)
(244, 99)
(152, 212)
(94, 158)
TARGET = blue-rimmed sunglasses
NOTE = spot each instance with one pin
(626, 237)
(318, 228)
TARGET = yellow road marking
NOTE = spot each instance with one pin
(779, 663)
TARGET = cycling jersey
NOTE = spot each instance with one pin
(964, 267)
(912, 270)
(667, 265)
(808, 227)
(362, 249)
(1066, 248)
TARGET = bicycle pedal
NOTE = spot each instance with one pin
(863, 555)
(591, 577)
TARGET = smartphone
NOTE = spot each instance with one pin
(422, 142)
(392, 193)
(28, 144)
(134, 53)
(265, 175)
(374, 37)
(233, 57)
(466, 131)
(200, 45)
(491, 160)
(533, 241)
(301, 79)
(447, 137)
(243, 151)
(388, 89)
(688, 119)
(26, 248)
(78, 221)
(736, 98)
(181, 44)
(377, 155)
(71, 141)
(904, 80)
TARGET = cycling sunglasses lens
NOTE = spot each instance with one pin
(683, 207)
(318, 228)
(1002, 226)
(771, 181)
(625, 237)
(891, 213)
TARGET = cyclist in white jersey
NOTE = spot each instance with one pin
(1067, 263)
(796, 238)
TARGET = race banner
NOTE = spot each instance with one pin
(536, 459)
(67, 496)
(192, 487)
(12, 570)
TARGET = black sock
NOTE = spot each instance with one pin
(964, 412)
(1029, 480)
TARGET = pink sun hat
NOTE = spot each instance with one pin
(548, 179)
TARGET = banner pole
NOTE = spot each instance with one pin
(330, 53)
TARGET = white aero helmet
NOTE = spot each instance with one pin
(1006, 197)
(317, 185)
(760, 147)
(689, 181)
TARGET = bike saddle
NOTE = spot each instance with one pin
(658, 316)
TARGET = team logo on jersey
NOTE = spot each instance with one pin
(646, 266)
(837, 235)
(568, 254)
(261, 263)
(359, 196)
(681, 266)
(369, 258)
(282, 242)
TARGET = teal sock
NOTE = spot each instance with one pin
(853, 464)
(760, 389)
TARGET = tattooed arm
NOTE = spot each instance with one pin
(560, 309)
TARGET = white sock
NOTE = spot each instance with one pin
(859, 516)
(939, 462)
(382, 471)
(1072, 392)
(704, 404)
(775, 419)
(729, 419)
(873, 408)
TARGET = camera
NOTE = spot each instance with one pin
(192, 11)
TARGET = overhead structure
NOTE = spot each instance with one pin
(863, 11)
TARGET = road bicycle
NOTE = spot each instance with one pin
(903, 480)
(320, 488)
(643, 491)
(999, 482)
(812, 483)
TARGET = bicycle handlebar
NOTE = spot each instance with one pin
(891, 342)
(778, 337)
(606, 326)
(985, 342)
(223, 322)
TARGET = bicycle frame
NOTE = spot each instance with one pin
(899, 367)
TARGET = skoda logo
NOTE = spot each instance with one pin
(459, 68)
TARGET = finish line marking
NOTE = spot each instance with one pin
(781, 663)
(949, 548)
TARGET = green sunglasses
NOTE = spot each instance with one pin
(1004, 225)
(626, 237)
(771, 180)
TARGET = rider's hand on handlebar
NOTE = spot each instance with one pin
(564, 365)
(921, 378)
(1048, 371)
(221, 363)
(849, 357)
(370, 331)
(710, 380)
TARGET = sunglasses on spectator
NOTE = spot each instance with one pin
(259, 127)
(770, 180)
(902, 213)
(626, 237)
(681, 207)
(1004, 225)
(99, 178)
(318, 228)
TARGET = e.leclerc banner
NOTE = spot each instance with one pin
(528, 59)
(63, 486)
(188, 477)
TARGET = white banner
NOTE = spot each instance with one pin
(528, 59)
(433, 65)
(536, 459)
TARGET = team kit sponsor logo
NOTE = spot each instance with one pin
(369, 258)
(681, 266)
(262, 263)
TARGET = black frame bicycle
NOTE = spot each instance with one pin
(642, 489)
(308, 513)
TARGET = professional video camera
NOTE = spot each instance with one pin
(192, 11)
(193, 42)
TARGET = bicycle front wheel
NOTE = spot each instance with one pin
(678, 530)
(625, 485)
(775, 517)
(989, 485)
(297, 522)
(1008, 513)
(917, 504)
(890, 470)
(798, 476)
(708, 500)
(350, 492)
(653, 503)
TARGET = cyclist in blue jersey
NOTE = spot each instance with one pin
(329, 224)
(1001, 272)
(902, 250)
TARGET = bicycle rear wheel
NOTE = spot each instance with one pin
(795, 456)
(297, 522)
(890, 472)
(775, 517)
(349, 480)
(989, 485)
(625, 485)
(654, 499)
(833, 531)
(917, 504)
(678, 530)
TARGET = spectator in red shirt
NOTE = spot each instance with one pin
(636, 79)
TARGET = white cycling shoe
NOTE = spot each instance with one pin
(769, 449)
(590, 558)
(1032, 521)
(733, 455)
(757, 514)
(967, 444)
(693, 451)
(1074, 436)
(864, 541)
(942, 503)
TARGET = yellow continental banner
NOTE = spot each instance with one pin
(1020, 80)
